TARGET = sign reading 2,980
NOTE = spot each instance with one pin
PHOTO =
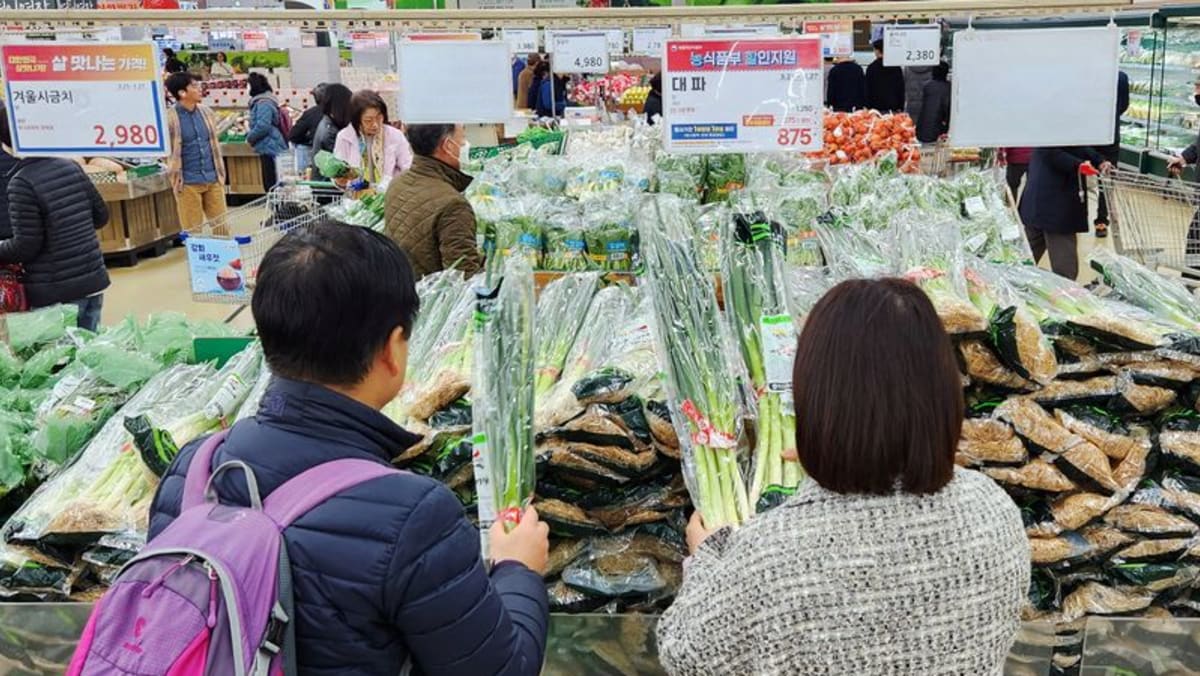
(736, 96)
(84, 99)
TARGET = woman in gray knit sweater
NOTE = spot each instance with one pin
(889, 559)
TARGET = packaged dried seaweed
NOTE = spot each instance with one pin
(1150, 521)
(1037, 475)
(1094, 598)
(1152, 551)
(984, 367)
(1073, 512)
(1012, 331)
(1102, 429)
(1058, 550)
(1037, 427)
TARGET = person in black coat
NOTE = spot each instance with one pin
(934, 119)
(885, 84)
(1112, 153)
(54, 210)
(306, 127)
(654, 100)
(7, 164)
(1054, 204)
(846, 90)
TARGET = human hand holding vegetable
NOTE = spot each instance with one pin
(528, 542)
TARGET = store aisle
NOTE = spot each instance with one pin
(159, 285)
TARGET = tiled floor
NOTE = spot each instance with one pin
(159, 285)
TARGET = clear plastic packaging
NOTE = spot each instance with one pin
(1145, 288)
(1012, 330)
(610, 233)
(561, 310)
(931, 257)
(566, 245)
(29, 331)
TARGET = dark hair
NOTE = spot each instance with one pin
(335, 104)
(177, 82)
(425, 138)
(656, 83)
(259, 84)
(5, 132)
(318, 93)
(879, 402)
(941, 71)
(168, 52)
(327, 299)
(878, 44)
(222, 56)
(542, 69)
(361, 102)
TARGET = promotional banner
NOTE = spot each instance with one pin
(215, 266)
(737, 96)
(84, 99)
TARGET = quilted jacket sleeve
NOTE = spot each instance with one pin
(28, 226)
(99, 208)
(456, 238)
(454, 618)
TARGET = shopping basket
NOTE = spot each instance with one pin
(1154, 220)
(224, 253)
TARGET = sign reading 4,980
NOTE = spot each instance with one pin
(84, 99)
(736, 96)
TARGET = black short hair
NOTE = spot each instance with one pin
(335, 104)
(879, 403)
(259, 84)
(425, 138)
(878, 44)
(361, 102)
(941, 71)
(326, 300)
(177, 82)
(5, 131)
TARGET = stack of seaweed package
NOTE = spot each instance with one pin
(608, 479)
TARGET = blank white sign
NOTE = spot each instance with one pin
(444, 81)
(1035, 87)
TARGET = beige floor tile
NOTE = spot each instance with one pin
(160, 285)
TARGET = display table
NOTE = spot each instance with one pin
(141, 217)
(243, 169)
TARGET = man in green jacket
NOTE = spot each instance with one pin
(426, 213)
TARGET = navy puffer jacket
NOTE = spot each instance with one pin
(386, 571)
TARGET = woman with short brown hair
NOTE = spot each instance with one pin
(889, 559)
(369, 144)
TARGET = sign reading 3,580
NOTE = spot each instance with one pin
(84, 99)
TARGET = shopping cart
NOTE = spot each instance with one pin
(1155, 221)
(224, 253)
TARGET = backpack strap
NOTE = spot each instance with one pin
(317, 484)
(199, 470)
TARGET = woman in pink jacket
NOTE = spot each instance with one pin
(377, 150)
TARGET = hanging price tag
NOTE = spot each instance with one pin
(649, 41)
(580, 53)
(84, 99)
(736, 96)
(837, 37)
(522, 40)
(912, 45)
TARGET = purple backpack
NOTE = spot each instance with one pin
(212, 594)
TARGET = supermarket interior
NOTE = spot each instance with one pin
(623, 221)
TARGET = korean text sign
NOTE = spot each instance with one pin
(752, 95)
(94, 99)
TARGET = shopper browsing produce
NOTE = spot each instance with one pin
(885, 84)
(846, 87)
(195, 166)
(54, 211)
(1016, 164)
(915, 79)
(868, 567)
(220, 67)
(387, 571)
(525, 80)
(267, 127)
(171, 63)
(654, 102)
(335, 116)
(552, 95)
(426, 213)
(1191, 154)
(934, 120)
(1054, 206)
(1112, 153)
(305, 129)
(377, 150)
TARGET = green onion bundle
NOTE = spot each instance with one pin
(503, 390)
(695, 347)
(560, 312)
(756, 307)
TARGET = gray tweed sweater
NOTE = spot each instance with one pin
(849, 584)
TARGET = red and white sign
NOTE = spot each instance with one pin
(837, 37)
(736, 96)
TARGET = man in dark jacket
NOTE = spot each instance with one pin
(387, 573)
(846, 89)
(54, 211)
(885, 84)
(934, 120)
(1054, 204)
(425, 211)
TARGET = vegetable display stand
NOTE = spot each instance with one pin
(141, 218)
(542, 278)
(243, 167)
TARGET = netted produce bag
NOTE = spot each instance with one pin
(757, 310)
(107, 488)
(931, 257)
(566, 242)
(610, 233)
(561, 310)
(679, 175)
(29, 331)
(503, 397)
(702, 376)
(1145, 288)
(1013, 332)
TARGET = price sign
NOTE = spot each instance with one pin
(522, 40)
(255, 41)
(84, 99)
(649, 41)
(580, 53)
(837, 37)
(735, 96)
(215, 266)
(912, 45)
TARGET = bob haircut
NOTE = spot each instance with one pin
(879, 403)
(361, 102)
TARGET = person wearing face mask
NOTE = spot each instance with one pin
(425, 212)
(374, 148)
